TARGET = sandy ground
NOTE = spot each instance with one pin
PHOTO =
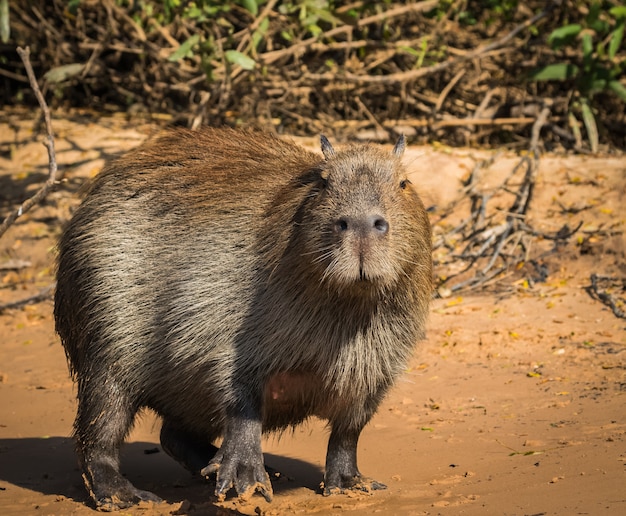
(514, 405)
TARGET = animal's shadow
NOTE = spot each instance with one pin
(49, 466)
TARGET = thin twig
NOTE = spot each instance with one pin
(45, 294)
(52, 162)
(444, 93)
(603, 296)
(438, 124)
(14, 265)
(298, 48)
(369, 114)
(491, 241)
(411, 75)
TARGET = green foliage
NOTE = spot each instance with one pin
(237, 58)
(598, 40)
(596, 66)
(156, 52)
(211, 18)
(5, 29)
(312, 15)
(472, 12)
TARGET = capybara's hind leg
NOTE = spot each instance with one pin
(103, 420)
(192, 451)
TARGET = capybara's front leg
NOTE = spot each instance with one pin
(239, 461)
(341, 468)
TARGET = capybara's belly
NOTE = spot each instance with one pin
(291, 397)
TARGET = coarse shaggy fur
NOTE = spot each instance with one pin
(216, 270)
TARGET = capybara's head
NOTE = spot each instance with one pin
(365, 227)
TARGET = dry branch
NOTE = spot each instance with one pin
(43, 295)
(602, 295)
(43, 191)
(438, 124)
(52, 163)
(485, 239)
(411, 75)
(298, 48)
(14, 265)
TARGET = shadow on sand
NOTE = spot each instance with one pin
(48, 466)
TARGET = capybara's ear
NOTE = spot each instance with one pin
(327, 148)
(398, 148)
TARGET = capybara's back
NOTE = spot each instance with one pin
(236, 283)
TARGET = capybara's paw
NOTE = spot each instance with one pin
(357, 483)
(123, 499)
(246, 474)
(110, 491)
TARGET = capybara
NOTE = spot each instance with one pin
(237, 284)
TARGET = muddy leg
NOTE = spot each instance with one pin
(104, 418)
(193, 452)
(239, 461)
(341, 467)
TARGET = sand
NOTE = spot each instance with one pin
(514, 405)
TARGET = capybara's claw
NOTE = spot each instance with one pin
(116, 502)
(359, 483)
(247, 479)
(210, 469)
(263, 489)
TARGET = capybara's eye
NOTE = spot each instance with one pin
(404, 182)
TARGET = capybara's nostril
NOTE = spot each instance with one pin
(364, 225)
(380, 225)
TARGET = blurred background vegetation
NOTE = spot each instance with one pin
(460, 72)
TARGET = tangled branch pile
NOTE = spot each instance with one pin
(457, 71)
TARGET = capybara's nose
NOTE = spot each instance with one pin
(367, 225)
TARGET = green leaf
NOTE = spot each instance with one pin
(5, 28)
(594, 13)
(408, 50)
(616, 39)
(590, 124)
(618, 12)
(195, 13)
(587, 44)
(259, 34)
(185, 49)
(618, 88)
(252, 6)
(555, 72)
(598, 84)
(600, 27)
(564, 34)
(73, 5)
(327, 16)
(315, 29)
(239, 59)
(63, 73)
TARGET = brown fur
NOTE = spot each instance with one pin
(221, 274)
